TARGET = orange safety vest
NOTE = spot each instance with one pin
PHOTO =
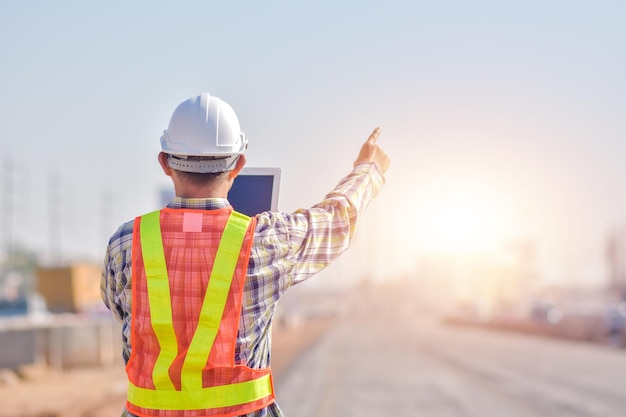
(188, 272)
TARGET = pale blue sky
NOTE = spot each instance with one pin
(520, 104)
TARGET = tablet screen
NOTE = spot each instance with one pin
(255, 190)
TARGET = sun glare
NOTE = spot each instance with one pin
(462, 222)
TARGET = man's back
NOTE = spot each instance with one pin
(287, 248)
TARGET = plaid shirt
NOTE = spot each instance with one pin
(287, 249)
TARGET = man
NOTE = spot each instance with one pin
(195, 285)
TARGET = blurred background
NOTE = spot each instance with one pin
(503, 208)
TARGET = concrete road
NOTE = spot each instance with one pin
(376, 366)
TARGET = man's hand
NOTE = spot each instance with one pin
(371, 152)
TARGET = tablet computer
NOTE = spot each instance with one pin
(255, 190)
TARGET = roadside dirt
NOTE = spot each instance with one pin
(101, 391)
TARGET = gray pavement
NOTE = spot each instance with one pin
(406, 365)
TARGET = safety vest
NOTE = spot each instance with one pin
(188, 272)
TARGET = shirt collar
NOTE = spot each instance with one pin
(198, 203)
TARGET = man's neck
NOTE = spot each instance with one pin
(218, 190)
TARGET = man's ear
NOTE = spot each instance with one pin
(241, 161)
(164, 165)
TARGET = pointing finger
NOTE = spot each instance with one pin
(374, 136)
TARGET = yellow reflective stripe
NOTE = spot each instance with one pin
(159, 298)
(214, 302)
(204, 398)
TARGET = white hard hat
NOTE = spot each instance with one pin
(203, 126)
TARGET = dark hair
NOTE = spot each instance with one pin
(200, 179)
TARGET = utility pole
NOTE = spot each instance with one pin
(54, 218)
(8, 210)
(106, 207)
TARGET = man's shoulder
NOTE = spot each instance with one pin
(123, 234)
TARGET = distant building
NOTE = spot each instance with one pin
(616, 262)
(166, 194)
(70, 289)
